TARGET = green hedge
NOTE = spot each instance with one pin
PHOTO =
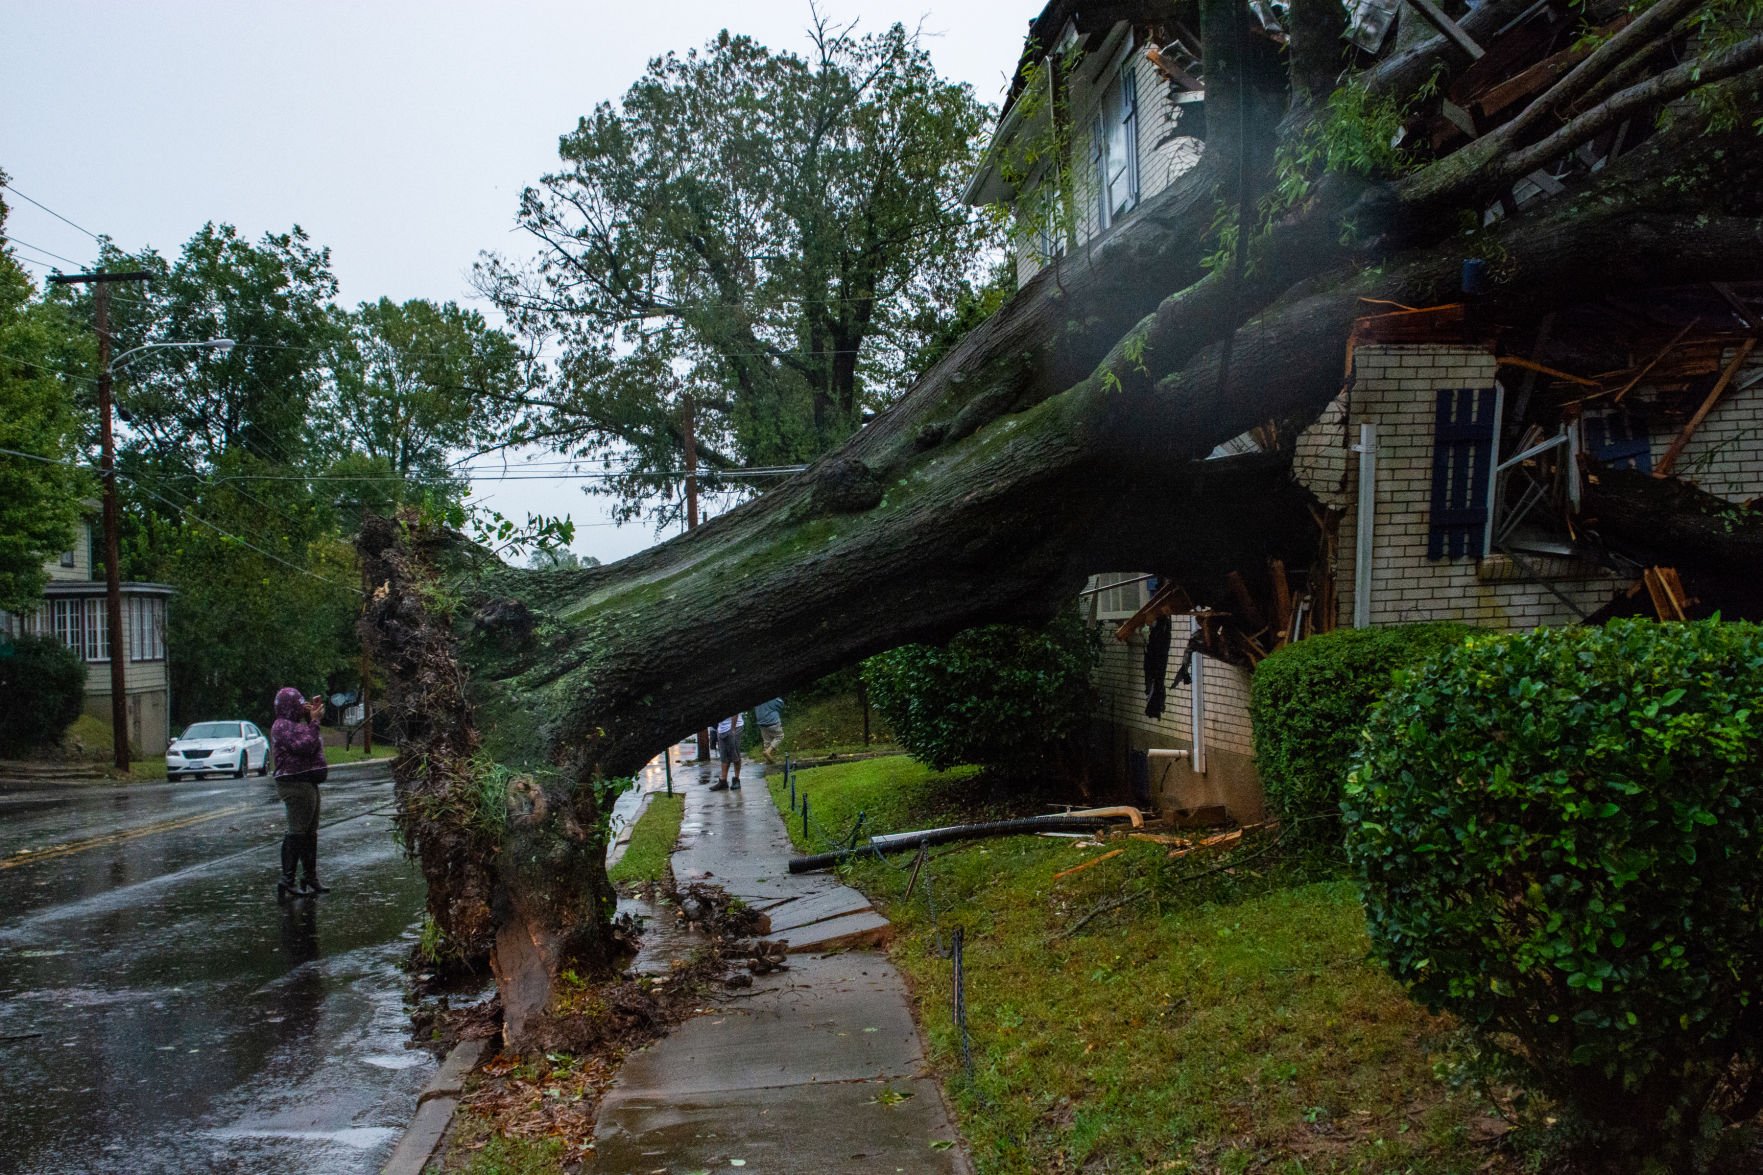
(1003, 696)
(1560, 839)
(42, 685)
(1308, 702)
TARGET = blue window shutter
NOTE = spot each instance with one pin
(1462, 460)
(1619, 441)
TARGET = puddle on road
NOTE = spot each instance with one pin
(355, 1137)
(404, 1061)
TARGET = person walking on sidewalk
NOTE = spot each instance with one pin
(770, 717)
(728, 746)
(299, 769)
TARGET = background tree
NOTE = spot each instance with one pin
(552, 558)
(39, 499)
(770, 237)
(187, 408)
(216, 462)
(415, 381)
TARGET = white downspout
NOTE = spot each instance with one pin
(1367, 450)
(1197, 705)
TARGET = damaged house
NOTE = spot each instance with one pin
(1465, 469)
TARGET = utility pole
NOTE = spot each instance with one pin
(119, 707)
(691, 444)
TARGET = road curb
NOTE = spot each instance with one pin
(434, 1110)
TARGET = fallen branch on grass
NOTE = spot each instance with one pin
(1087, 864)
(1125, 898)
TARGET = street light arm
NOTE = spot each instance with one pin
(221, 345)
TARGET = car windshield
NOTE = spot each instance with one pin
(213, 730)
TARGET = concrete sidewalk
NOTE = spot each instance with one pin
(815, 1069)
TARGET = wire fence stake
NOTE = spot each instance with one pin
(955, 944)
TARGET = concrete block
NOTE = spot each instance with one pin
(450, 1081)
(421, 1137)
(867, 929)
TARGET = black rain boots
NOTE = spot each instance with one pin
(309, 865)
(284, 887)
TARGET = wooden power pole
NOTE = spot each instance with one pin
(119, 704)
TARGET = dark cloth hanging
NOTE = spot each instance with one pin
(1156, 667)
(1196, 644)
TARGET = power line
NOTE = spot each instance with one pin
(187, 512)
(39, 249)
(8, 186)
(40, 367)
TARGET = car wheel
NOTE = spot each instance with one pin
(244, 765)
(264, 770)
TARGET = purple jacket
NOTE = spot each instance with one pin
(299, 747)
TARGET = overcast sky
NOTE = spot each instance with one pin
(397, 134)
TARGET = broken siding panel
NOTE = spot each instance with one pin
(1164, 154)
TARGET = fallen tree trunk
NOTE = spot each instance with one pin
(1067, 435)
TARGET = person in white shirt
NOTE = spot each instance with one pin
(728, 745)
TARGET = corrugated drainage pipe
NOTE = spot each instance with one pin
(895, 841)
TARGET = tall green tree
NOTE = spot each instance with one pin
(417, 380)
(772, 237)
(39, 494)
(216, 453)
(189, 406)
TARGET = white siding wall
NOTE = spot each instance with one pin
(1159, 165)
(82, 557)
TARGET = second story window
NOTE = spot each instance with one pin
(1114, 150)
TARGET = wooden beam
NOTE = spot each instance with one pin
(1664, 467)
(1531, 365)
(1666, 591)
(1093, 861)
(1282, 598)
(1239, 592)
(1451, 29)
(1167, 602)
(1652, 363)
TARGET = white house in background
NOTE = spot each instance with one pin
(73, 612)
(1131, 111)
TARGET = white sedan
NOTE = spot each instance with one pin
(207, 748)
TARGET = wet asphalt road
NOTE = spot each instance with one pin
(160, 1013)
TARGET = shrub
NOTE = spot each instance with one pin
(42, 684)
(1307, 703)
(1560, 839)
(1001, 696)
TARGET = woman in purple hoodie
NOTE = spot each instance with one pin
(299, 769)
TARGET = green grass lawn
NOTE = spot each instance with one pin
(645, 859)
(832, 725)
(1224, 1022)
